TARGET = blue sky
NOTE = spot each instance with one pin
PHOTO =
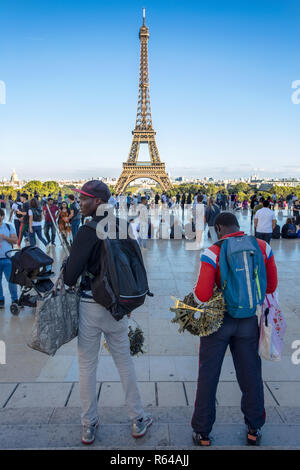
(221, 76)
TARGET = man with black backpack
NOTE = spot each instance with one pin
(85, 260)
(244, 268)
(8, 238)
(75, 216)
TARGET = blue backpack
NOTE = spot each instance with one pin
(243, 275)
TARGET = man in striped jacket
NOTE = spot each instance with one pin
(241, 334)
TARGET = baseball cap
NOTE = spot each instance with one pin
(95, 188)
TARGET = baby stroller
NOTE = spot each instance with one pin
(31, 269)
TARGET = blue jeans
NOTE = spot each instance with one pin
(37, 230)
(74, 227)
(5, 267)
(267, 237)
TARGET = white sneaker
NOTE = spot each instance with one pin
(140, 426)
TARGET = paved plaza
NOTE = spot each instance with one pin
(39, 395)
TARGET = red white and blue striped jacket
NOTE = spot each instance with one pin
(210, 271)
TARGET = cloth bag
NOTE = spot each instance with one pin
(272, 329)
(56, 319)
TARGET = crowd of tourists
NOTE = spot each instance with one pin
(37, 217)
(239, 329)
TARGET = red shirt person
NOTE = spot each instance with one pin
(49, 225)
(240, 334)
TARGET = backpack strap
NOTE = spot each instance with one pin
(8, 226)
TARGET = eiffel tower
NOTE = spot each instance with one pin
(143, 132)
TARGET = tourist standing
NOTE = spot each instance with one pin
(211, 212)
(296, 211)
(8, 238)
(24, 227)
(224, 201)
(63, 222)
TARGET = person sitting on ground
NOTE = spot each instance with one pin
(94, 320)
(240, 334)
(289, 229)
(63, 222)
(264, 222)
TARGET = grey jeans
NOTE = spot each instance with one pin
(93, 321)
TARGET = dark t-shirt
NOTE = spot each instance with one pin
(210, 214)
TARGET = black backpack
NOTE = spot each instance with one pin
(36, 214)
(122, 285)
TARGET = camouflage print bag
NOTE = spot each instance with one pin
(56, 319)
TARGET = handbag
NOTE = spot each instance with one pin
(56, 318)
(272, 329)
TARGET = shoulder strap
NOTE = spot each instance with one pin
(219, 243)
(8, 226)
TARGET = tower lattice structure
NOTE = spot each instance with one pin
(143, 132)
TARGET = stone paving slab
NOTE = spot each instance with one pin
(66, 436)
(39, 395)
(40, 415)
(160, 414)
(162, 368)
(112, 394)
(229, 394)
(286, 393)
(290, 414)
(5, 392)
(235, 435)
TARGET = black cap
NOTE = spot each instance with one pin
(95, 188)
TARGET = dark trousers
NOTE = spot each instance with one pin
(267, 237)
(23, 232)
(242, 336)
(36, 231)
(47, 227)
